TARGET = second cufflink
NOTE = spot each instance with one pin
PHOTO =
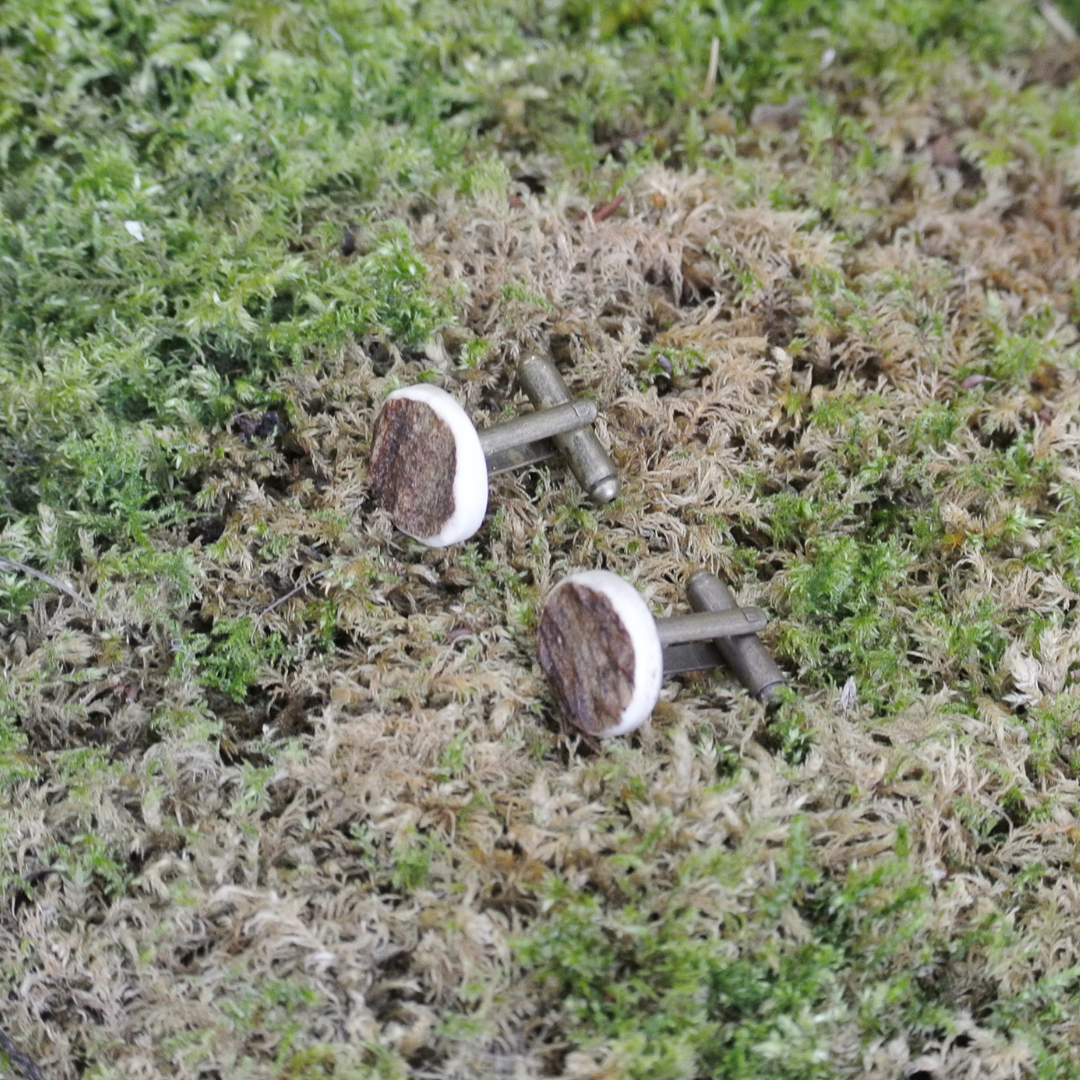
(429, 465)
(605, 655)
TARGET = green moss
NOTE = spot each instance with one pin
(177, 181)
(15, 767)
(231, 658)
(91, 861)
(681, 996)
(789, 732)
(1053, 728)
(412, 860)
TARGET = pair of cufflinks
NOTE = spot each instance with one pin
(602, 651)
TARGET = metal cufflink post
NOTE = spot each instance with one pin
(605, 655)
(589, 461)
(429, 465)
(744, 654)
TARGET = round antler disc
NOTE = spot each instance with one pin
(427, 468)
(601, 653)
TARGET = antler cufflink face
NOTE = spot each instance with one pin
(429, 466)
(601, 653)
(605, 655)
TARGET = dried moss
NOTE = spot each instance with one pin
(347, 834)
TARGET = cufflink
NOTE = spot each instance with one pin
(605, 656)
(429, 465)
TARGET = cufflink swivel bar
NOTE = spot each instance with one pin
(526, 439)
(543, 386)
(589, 461)
(541, 435)
(677, 631)
(743, 653)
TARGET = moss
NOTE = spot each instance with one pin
(308, 769)
(680, 995)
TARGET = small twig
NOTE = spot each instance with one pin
(714, 65)
(56, 583)
(609, 208)
(292, 592)
(21, 1062)
(1058, 21)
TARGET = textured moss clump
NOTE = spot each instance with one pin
(284, 793)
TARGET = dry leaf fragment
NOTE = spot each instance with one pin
(943, 152)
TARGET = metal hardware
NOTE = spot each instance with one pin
(595, 471)
(605, 654)
(744, 653)
(708, 625)
(429, 465)
(518, 433)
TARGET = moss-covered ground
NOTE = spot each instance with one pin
(283, 794)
